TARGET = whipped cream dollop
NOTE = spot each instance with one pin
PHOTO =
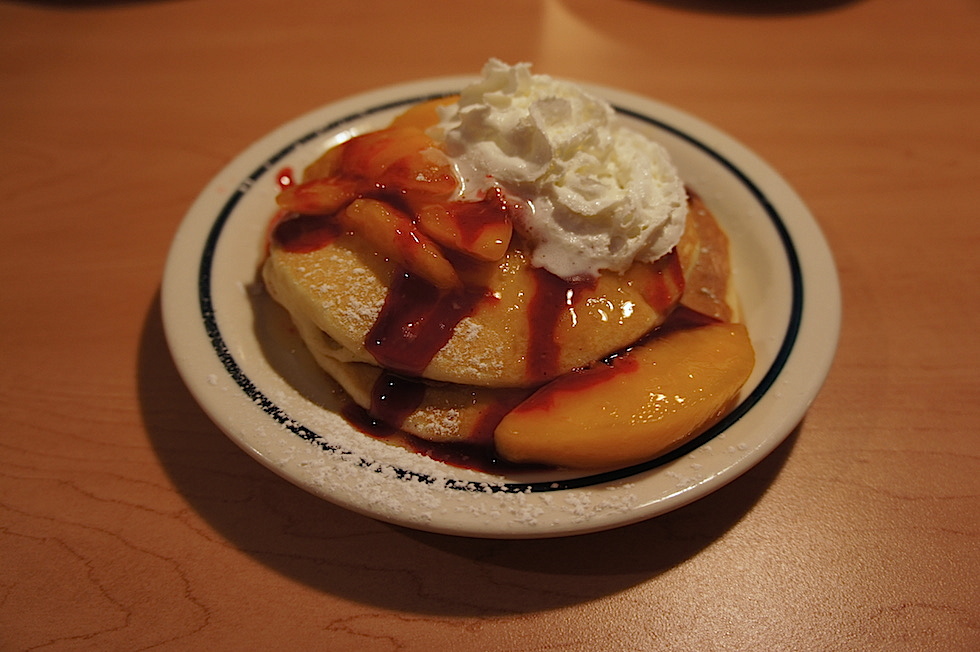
(601, 194)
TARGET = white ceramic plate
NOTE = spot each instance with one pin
(244, 365)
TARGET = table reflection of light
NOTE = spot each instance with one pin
(570, 45)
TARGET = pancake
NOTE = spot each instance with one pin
(438, 412)
(703, 251)
(336, 293)
(519, 312)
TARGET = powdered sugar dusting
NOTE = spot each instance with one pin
(400, 486)
(472, 350)
(441, 424)
(332, 459)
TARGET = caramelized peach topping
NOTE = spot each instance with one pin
(393, 188)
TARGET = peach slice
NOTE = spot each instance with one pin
(645, 403)
(420, 174)
(486, 241)
(327, 165)
(370, 154)
(324, 196)
(396, 237)
(481, 229)
(424, 114)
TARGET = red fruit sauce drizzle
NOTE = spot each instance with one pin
(417, 321)
(285, 178)
(302, 234)
(472, 218)
(394, 398)
(552, 297)
(667, 285)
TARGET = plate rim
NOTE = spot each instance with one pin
(660, 115)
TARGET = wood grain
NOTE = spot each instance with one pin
(127, 521)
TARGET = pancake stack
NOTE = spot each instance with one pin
(440, 334)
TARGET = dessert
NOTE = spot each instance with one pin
(514, 270)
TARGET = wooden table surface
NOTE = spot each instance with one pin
(129, 522)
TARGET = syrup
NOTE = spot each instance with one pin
(393, 398)
(553, 297)
(304, 233)
(666, 284)
(472, 219)
(417, 321)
